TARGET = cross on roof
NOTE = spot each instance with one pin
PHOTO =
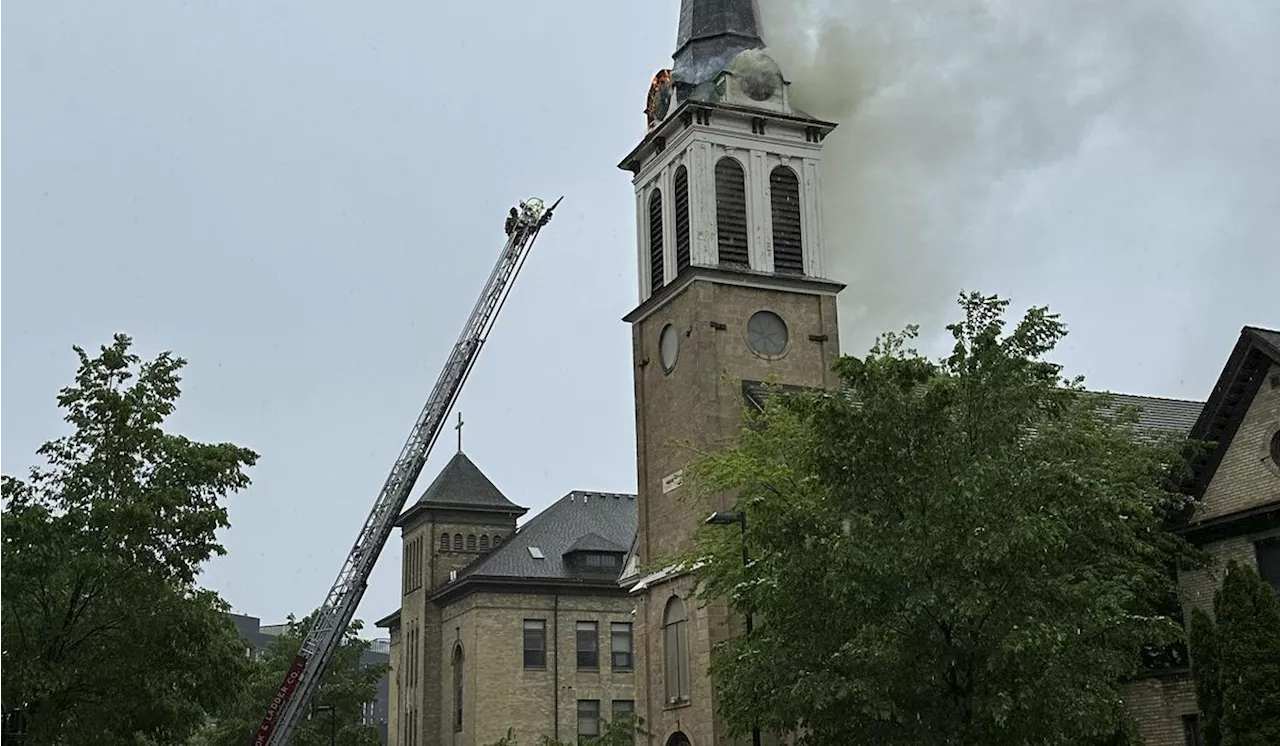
(458, 427)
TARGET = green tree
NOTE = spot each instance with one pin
(619, 732)
(106, 636)
(347, 684)
(1235, 660)
(967, 551)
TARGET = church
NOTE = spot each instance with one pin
(553, 624)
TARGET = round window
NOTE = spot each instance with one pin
(767, 333)
(668, 348)
(1275, 448)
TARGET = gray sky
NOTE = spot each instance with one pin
(303, 199)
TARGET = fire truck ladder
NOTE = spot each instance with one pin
(331, 619)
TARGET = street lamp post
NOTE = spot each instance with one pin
(333, 722)
(725, 518)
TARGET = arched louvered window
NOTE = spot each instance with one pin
(675, 634)
(471, 542)
(784, 191)
(457, 542)
(444, 541)
(484, 542)
(656, 267)
(681, 188)
(458, 660)
(731, 212)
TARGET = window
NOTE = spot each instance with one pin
(588, 645)
(535, 643)
(484, 543)
(601, 559)
(457, 542)
(588, 718)
(681, 187)
(1275, 448)
(623, 711)
(655, 241)
(1268, 554)
(457, 688)
(471, 542)
(675, 637)
(731, 212)
(444, 542)
(784, 203)
(1191, 730)
(620, 644)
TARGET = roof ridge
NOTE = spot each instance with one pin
(1148, 396)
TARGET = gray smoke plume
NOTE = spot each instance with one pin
(962, 122)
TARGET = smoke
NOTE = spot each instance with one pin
(978, 138)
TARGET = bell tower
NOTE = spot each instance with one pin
(732, 289)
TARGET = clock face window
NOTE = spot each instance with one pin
(767, 333)
(668, 348)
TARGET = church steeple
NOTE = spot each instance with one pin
(712, 33)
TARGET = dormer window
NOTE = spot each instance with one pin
(604, 560)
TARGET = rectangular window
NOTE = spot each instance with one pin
(535, 643)
(623, 711)
(620, 645)
(1191, 730)
(588, 718)
(1268, 554)
(588, 645)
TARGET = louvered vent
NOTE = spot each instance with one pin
(682, 218)
(731, 213)
(655, 240)
(784, 189)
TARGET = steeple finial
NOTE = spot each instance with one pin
(712, 33)
(458, 427)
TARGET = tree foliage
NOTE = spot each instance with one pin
(1236, 661)
(967, 551)
(618, 732)
(106, 636)
(347, 684)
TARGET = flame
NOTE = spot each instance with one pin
(659, 98)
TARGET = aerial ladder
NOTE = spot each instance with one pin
(330, 621)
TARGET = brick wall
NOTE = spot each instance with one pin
(1158, 703)
(499, 692)
(1197, 587)
(1246, 477)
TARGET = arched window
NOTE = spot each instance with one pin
(484, 542)
(444, 541)
(731, 212)
(457, 687)
(457, 542)
(681, 187)
(471, 542)
(675, 636)
(784, 202)
(656, 267)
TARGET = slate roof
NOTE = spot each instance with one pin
(570, 521)
(1157, 415)
(461, 485)
(594, 542)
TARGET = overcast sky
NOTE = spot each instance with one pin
(303, 199)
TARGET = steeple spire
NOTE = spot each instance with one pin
(712, 33)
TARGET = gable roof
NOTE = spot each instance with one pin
(594, 542)
(566, 524)
(1156, 414)
(1255, 351)
(461, 485)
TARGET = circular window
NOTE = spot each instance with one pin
(767, 333)
(1275, 448)
(668, 348)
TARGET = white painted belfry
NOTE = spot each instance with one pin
(811, 204)
(702, 206)
(759, 249)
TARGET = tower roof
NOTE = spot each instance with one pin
(712, 33)
(462, 486)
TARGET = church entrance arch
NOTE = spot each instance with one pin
(678, 739)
